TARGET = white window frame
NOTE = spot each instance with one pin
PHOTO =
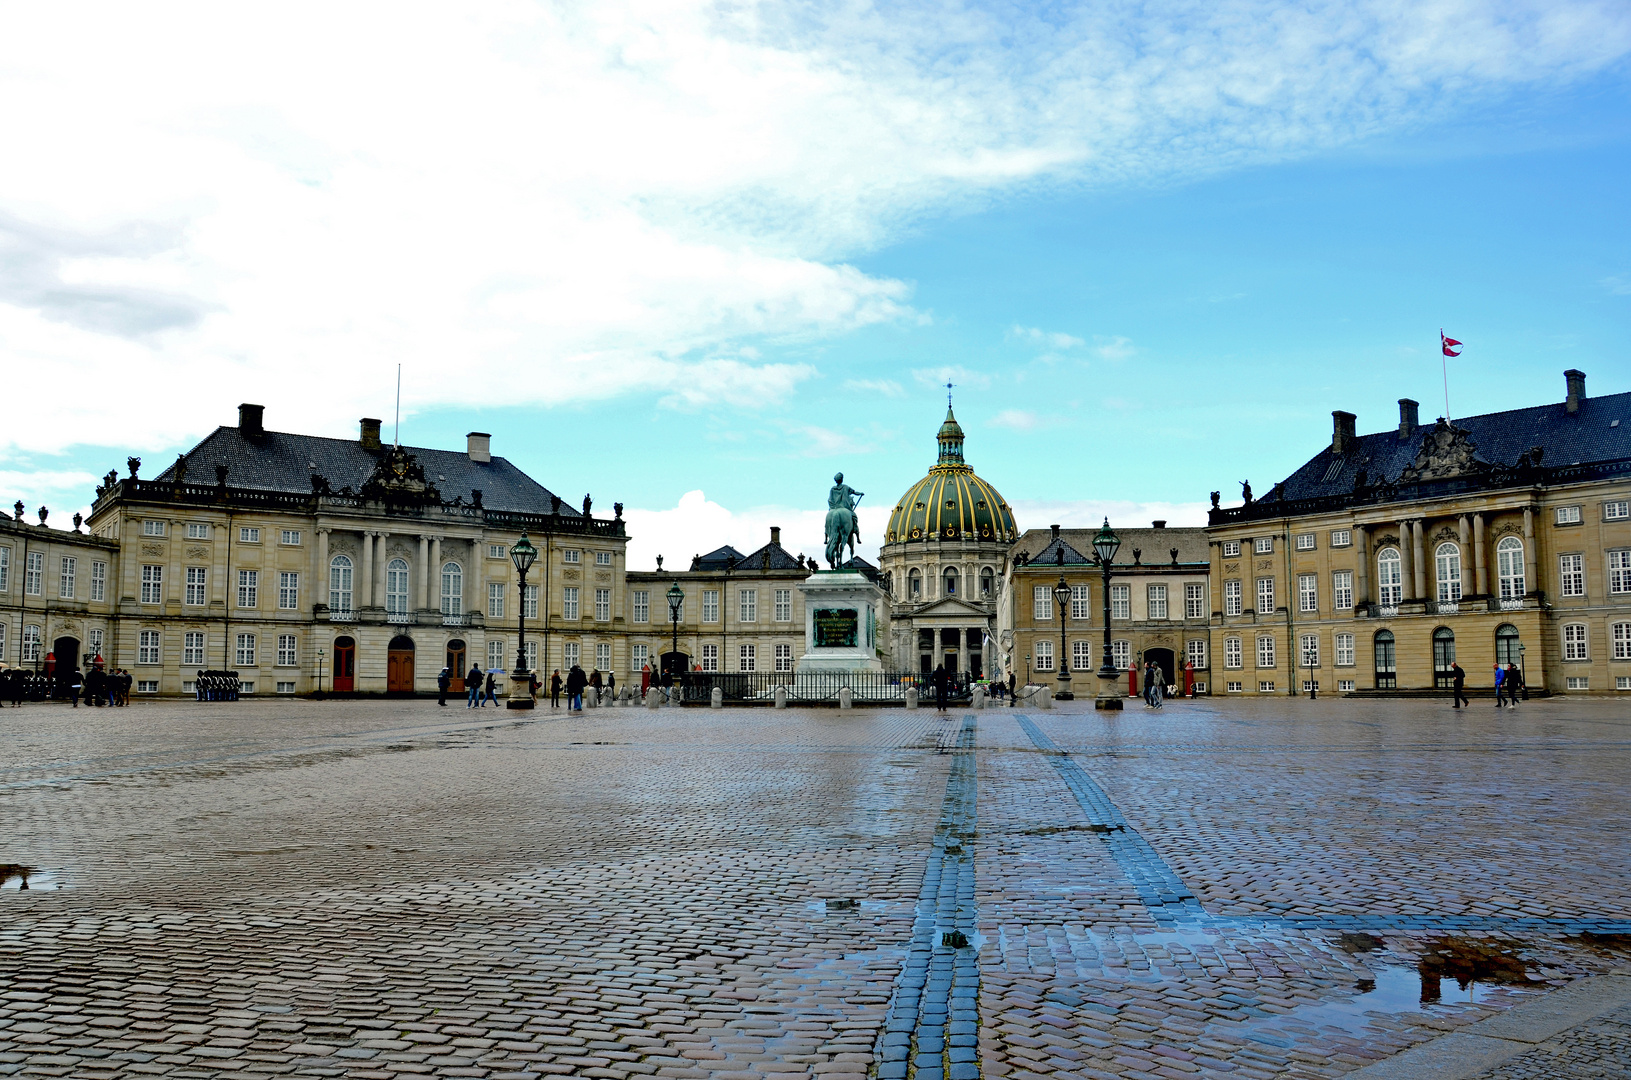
(1341, 538)
(99, 580)
(1510, 569)
(747, 605)
(93, 637)
(1308, 593)
(198, 530)
(149, 647)
(34, 574)
(1342, 590)
(1568, 515)
(244, 653)
(1571, 574)
(1617, 510)
(1389, 577)
(603, 656)
(1305, 541)
(1194, 600)
(1121, 654)
(1308, 648)
(1619, 571)
(5, 569)
(639, 656)
(1233, 653)
(151, 527)
(571, 555)
(1345, 655)
(249, 589)
(341, 580)
(1576, 642)
(195, 591)
(784, 605)
(1081, 656)
(530, 601)
(1043, 651)
(452, 578)
(784, 658)
(641, 599)
(193, 644)
(1263, 545)
(1233, 597)
(710, 658)
(747, 657)
(603, 605)
(1620, 637)
(1041, 603)
(1155, 602)
(249, 534)
(288, 590)
(1231, 549)
(495, 599)
(152, 583)
(1081, 604)
(289, 537)
(710, 606)
(68, 571)
(1195, 652)
(569, 603)
(1265, 596)
(1267, 659)
(1121, 602)
(288, 650)
(603, 558)
(495, 551)
(1447, 571)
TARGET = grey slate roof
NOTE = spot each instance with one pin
(1567, 439)
(770, 557)
(1154, 544)
(717, 559)
(279, 461)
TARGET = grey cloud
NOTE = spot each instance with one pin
(31, 258)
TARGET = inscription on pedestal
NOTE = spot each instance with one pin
(835, 628)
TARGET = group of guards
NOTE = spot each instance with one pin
(99, 687)
(217, 685)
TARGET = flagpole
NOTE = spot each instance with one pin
(1444, 364)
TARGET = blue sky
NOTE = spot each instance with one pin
(696, 258)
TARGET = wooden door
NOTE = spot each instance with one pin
(345, 665)
(455, 666)
(399, 671)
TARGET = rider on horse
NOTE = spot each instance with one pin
(843, 526)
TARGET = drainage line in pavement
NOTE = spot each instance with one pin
(931, 1031)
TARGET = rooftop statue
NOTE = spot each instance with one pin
(842, 525)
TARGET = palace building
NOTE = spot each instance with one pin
(1386, 558)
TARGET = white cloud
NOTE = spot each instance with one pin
(1050, 339)
(1090, 513)
(607, 197)
(696, 525)
(1018, 419)
(1618, 284)
(61, 491)
(881, 387)
(1112, 348)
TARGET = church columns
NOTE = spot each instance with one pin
(1480, 569)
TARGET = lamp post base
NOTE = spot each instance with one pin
(1109, 699)
(1063, 693)
(520, 691)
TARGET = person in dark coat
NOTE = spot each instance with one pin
(1460, 678)
(472, 682)
(443, 681)
(555, 689)
(575, 682)
(939, 680)
(491, 691)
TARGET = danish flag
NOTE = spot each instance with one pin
(1448, 344)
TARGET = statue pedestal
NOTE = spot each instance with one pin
(841, 609)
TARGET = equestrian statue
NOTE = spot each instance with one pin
(843, 527)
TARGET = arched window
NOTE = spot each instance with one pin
(1509, 569)
(396, 587)
(339, 583)
(1443, 657)
(914, 585)
(988, 582)
(1506, 644)
(1386, 663)
(1389, 578)
(452, 589)
(1448, 559)
(951, 581)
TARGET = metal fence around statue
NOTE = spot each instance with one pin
(748, 687)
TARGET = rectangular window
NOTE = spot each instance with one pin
(1621, 634)
(1081, 655)
(1041, 603)
(1121, 601)
(495, 599)
(1265, 651)
(288, 590)
(95, 640)
(152, 584)
(784, 658)
(5, 569)
(32, 650)
(99, 581)
(1044, 655)
(1345, 686)
(1231, 548)
(1265, 686)
(1194, 600)
(152, 528)
(1342, 590)
(603, 558)
(1345, 650)
(147, 647)
(192, 649)
(65, 580)
(286, 686)
(34, 574)
(784, 605)
(1577, 682)
(710, 606)
(1574, 641)
(1155, 597)
(197, 530)
(1265, 596)
(1619, 571)
(495, 551)
(195, 594)
(1234, 687)
(1081, 607)
(1619, 510)
(1568, 515)
(1195, 652)
(246, 650)
(1342, 538)
(249, 534)
(747, 606)
(286, 655)
(1121, 654)
(1305, 541)
(1231, 598)
(495, 652)
(747, 658)
(710, 658)
(569, 602)
(639, 656)
(530, 601)
(1308, 597)
(603, 604)
(571, 556)
(147, 686)
(642, 605)
(571, 654)
(1309, 654)
(603, 656)
(249, 588)
(1231, 652)
(1571, 572)
(1263, 545)
(289, 537)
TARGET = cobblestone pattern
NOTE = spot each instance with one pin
(1599, 1050)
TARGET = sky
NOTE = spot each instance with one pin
(695, 257)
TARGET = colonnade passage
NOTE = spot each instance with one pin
(958, 648)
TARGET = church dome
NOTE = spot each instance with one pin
(951, 503)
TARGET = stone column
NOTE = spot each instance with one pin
(320, 582)
(962, 649)
(1531, 583)
(367, 581)
(1418, 558)
(473, 581)
(434, 579)
(1464, 539)
(380, 564)
(1407, 576)
(424, 572)
(1480, 571)
(1362, 564)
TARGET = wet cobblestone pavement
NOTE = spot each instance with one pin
(372, 889)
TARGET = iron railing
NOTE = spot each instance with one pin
(864, 686)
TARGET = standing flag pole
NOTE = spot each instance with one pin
(1447, 346)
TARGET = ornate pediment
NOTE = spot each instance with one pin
(400, 479)
(1446, 451)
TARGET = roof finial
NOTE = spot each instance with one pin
(949, 385)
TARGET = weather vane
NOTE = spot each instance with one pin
(949, 385)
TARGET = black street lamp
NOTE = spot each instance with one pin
(1523, 671)
(1061, 601)
(676, 597)
(522, 554)
(1105, 546)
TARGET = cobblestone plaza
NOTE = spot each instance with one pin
(1245, 889)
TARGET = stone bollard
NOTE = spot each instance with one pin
(911, 697)
(780, 701)
(716, 700)
(654, 698)
(846, 698)
(1044, 698)
(979, 698)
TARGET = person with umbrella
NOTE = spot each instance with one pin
(491, 686)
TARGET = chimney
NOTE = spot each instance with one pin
(776, 534)
(1342, 431)
(370, 433)
(480, 445)
(1055, 529)
(251, 420)
(1407, 418)
(1576, 381)
(1159, 524)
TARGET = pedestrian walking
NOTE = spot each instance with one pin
(611, 685)
(492, 694)
(575, 682)
(594, 684)
(1149, 684)
(443, 681)
(1513, 681)
(472, 683)
(1011, 684)
(1460, 684)
(555, 689)
(939, 681)
(1500, 685)
(76, 683)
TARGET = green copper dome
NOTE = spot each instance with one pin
(951, 503)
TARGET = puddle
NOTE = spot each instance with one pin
(1465, 963)
(16, 878)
